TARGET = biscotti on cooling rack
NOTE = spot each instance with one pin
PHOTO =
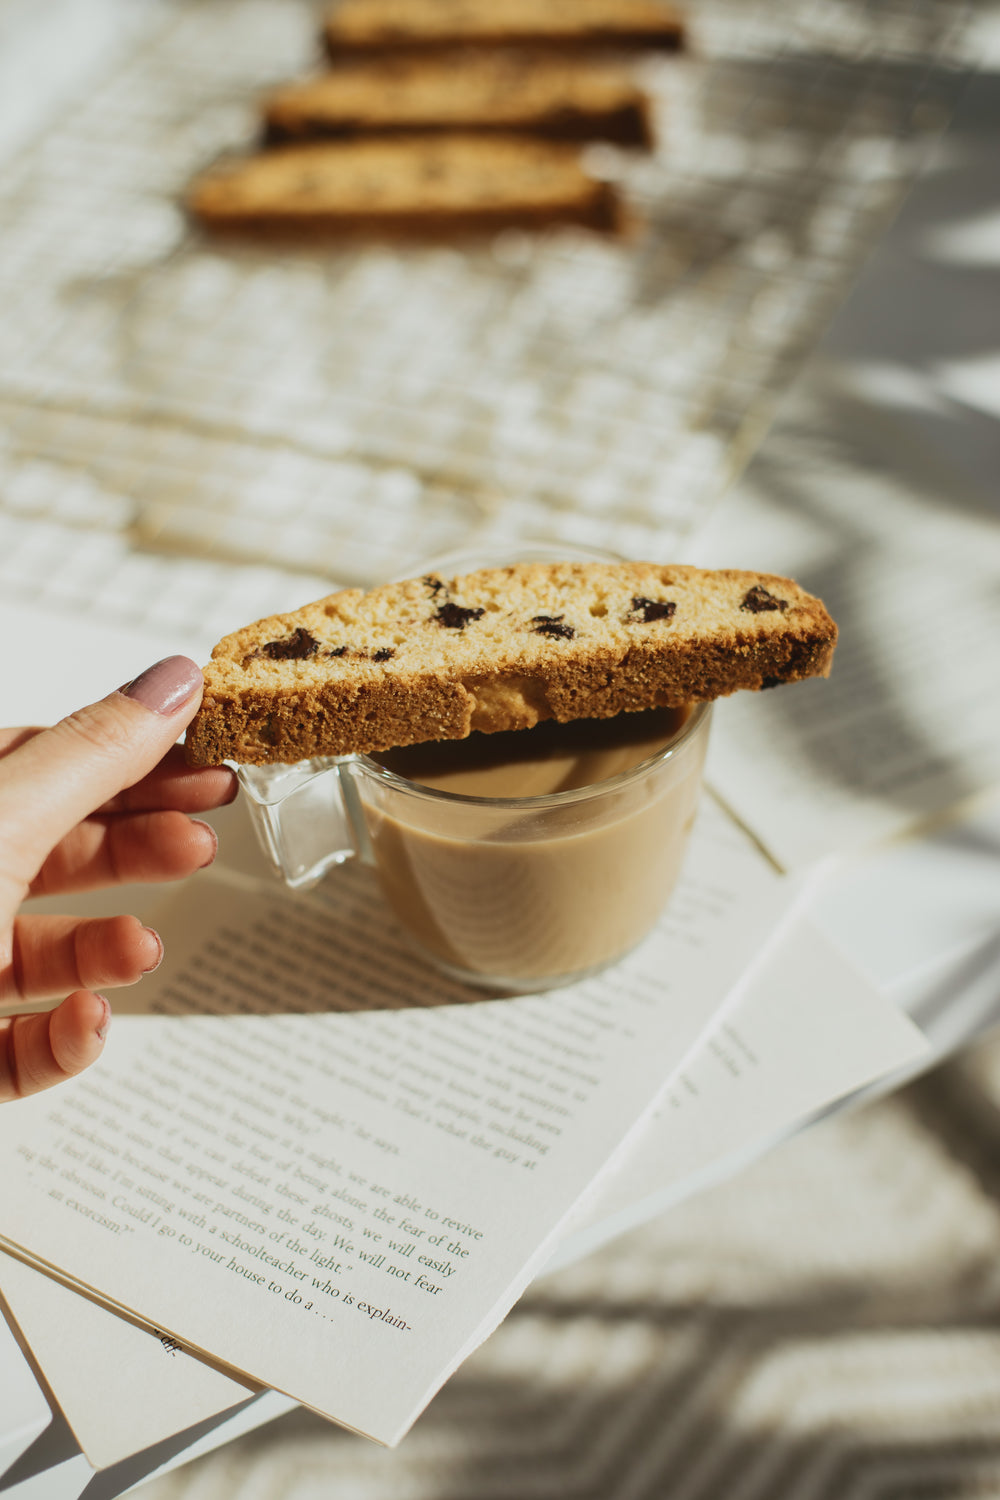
(543, 95)
(434, 658)
(394, 25)
(417, 185)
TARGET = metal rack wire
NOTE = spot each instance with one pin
(339, 409)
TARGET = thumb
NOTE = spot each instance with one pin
(58, 777)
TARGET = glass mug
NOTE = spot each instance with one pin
(512, 893)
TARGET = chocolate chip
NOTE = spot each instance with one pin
(299, 646)
(337, 651)
(757, 600)
(456, 616)
(653, 609)
(771, 682)
(434, 584)
(384, 653)
(552, 626)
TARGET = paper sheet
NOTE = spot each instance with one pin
(120, 1387)
(807, 1030)
(343, 1178)
(905, 909)
(810, 1030)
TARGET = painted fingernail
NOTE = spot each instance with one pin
(105, 1026)
(200, 823)
(167, 686)
(157, 961)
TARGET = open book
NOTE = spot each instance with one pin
(807, 1030)
(336, 1183)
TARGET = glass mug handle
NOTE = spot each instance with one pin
(307, 817)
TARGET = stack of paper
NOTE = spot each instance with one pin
(340, 1203)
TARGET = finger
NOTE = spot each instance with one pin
(127, 847)
(11, 738)
(38, 1051)
(174, 784)
(51, 955)
(56, 778)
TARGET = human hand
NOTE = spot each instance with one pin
(102, 797)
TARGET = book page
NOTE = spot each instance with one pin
(810, 1030)
(345, 1173)
(121, 1388)
(806, 1031)
(900, 911)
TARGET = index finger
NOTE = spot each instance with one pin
(171, 784)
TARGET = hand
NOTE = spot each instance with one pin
(102, 797)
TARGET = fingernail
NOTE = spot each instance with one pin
(157, 961)
(167, 686)
(105, 1026)
(200, 823)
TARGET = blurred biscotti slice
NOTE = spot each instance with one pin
(505, 90)
(394, 25)
(419, 184)
(434, 658)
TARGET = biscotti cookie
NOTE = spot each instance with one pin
(421, 184)
(395, 25)
(434, 658)
(468, 89)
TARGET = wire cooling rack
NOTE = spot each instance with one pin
(337, 410)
